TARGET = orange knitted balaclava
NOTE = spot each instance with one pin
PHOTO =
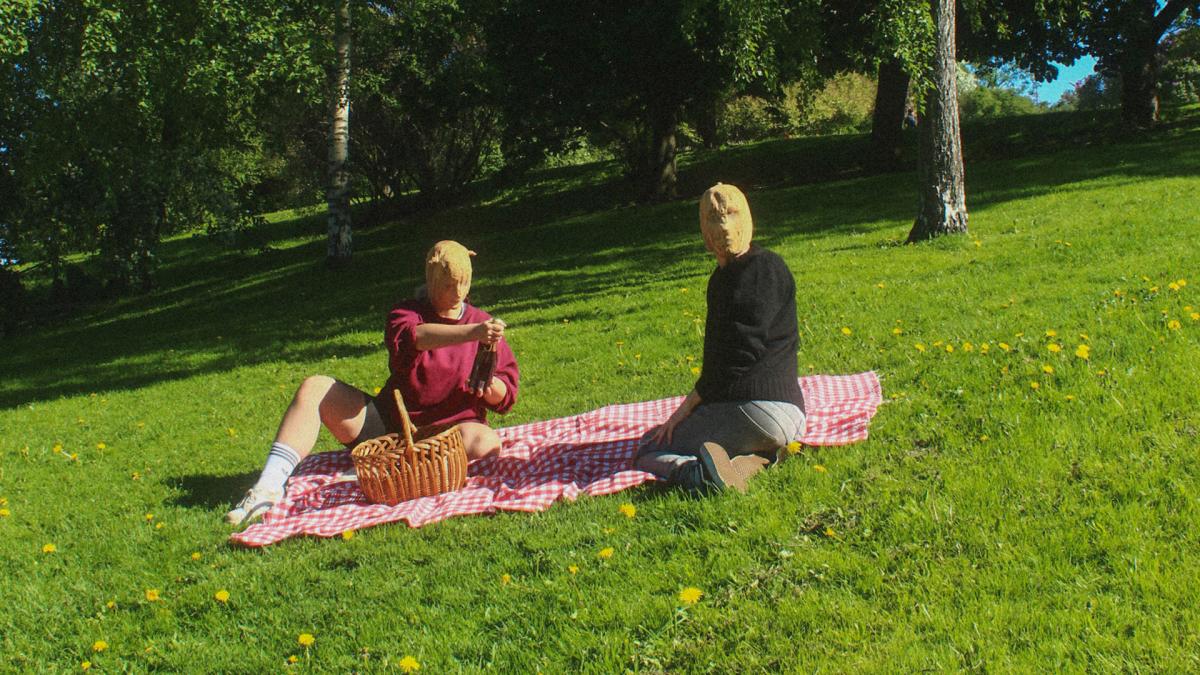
(725, 221)
(448, 274)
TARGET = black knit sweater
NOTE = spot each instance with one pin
(750, 335)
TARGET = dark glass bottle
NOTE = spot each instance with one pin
(484, 368)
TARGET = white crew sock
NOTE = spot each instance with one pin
(281, 461)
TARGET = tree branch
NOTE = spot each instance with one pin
(1167, 16)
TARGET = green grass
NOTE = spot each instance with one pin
(986, 525)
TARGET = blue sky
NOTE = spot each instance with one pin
(1050, 92)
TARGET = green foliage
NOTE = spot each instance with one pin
(984, 525)
(1179, 82)
(842, 104)
(984, 102)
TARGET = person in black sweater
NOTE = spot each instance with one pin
(747, 403)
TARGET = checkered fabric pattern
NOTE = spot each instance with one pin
(539, 464)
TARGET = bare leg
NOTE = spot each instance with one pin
(323, 400)
(480, 439)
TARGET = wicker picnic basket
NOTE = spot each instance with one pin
(393, 468)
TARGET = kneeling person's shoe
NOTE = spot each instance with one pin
(719, 470)
(253, 506)
(748, 465)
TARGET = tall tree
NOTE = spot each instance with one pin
(1124, 35)
(340, 246)
(943, 203)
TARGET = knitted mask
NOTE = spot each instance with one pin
(448, 273)
(725, 221)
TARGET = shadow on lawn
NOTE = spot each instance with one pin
(561, 236)
(210, 491)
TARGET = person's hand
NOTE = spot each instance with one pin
(494, 393)
(662, 436)
(488, 332)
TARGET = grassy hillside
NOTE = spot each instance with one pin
(1017, 507)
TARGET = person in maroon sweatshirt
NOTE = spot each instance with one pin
(431, 342)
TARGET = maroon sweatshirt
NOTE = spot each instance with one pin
(434, 382)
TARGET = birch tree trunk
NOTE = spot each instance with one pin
(338, 193)
(943, 201)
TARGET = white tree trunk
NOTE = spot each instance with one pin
(943, 201)
(338, 194)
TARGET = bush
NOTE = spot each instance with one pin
(984, 102)
(748, 118)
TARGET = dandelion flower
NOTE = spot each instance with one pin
(232, 432)
(1069, 397)
(968, 347)
(984, 348)
(628, 510)
(1051, 333)
(57, 448)
(1195, 316)
(695, 370)
(377, 390)
(1048, 369)
(1034, 385)
(949, 349)
(111, 604)
(1174, 324)
(879, 285)
(919, 347)
(101, 446)
(897, 330)
(1054, 348)
(152, 594)
(819, 468)
(1173, 286)
(690, 595)
(158, 526)
(306, 639)
(794, 447)
(605, 553)
(1004, 346)
(99, 646)
(573, 569)
(196, 555)
(86, 665)
(4, 513)
(830, 533)
(1119, 293)
(1084, 352)
(983, 438)
(1154, 289)
(846, 330)
(293, 659)
(149, 517)
(348, 535)
(1181, 283)
(505, 579)
(49, 548)
(408, 664)
(221, 596)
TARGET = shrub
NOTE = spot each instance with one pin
(984, 102)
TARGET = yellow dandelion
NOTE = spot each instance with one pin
(221, 596)
(135, 476)
(794, 447)
(376, 390)
(984, 348)
(1187, 308)
(605, 553)
(846, 330)
(74, 457)
(1051, 333)
(983, 438)
(1173, 286)
(1069, 397)
(86, 665)
(978, 243)
(628, 510)
(99, 646)
(1195, 316)
(348, 535)
(1021, 334)
(149, 517)
(57, 448)
(152, 594)
(1101, 373)
(937, 343)
(695, 370)
(1181, 283)
(819, 468)
(158, 526)
(1004, 346)
(505, 579)
(306, 639)
(196, 555)
(831, 534)
(689, 358)
(1119, 293)
(690, 595)
(293, 659)
(1154, 289)
(3, 501)
(101, 446)
(1084, 352)
(1174, 324)
(4, 513)
(141, 425)
(573, 569)
(1048, 369)
(409, 664)
(1145, 278)
(608, 530)
(968, 347)
(1034, 385)
(1084, 336)
(897, 330)
(1054, 348)
(919, 347)
(111, 604)
(232, 432)
(949, 349)
(49, 548)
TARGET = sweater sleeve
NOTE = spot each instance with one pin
(400, 336)
(506, 371)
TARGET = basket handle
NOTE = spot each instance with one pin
(405, 421)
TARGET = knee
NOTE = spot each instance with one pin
(480, 441)
(314, 388)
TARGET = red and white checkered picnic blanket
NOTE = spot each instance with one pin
(539, 463)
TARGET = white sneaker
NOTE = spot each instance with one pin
(253, 506)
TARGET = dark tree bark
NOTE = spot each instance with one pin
(338, 194)
(943, 203)
(888, 117)
(707, 122)
(1137, 59)
(661, 167)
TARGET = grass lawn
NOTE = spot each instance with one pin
(1018, 507)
